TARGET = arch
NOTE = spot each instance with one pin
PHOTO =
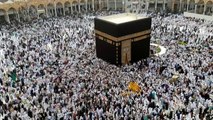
(209, 3)
(59, 9)
(59, 4)
(200, 7)
(12, 10)
(67, 7)
(2, 16)
(50, 10)
(82, 1)
(23, 13)
(50, 5)
(75, 6)
(2, 12)
(201, 2)
(32, 7)
(41, 6)
(21, 8)
(209, 8)
(74, 2)
(82, 4)
(67, 3)
(12, 14)
(41, 10)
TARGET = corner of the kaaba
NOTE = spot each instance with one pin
(105, 27)
(141, 45)
(140, 49)
(106, 50)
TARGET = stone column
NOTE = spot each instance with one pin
(86, 5)
(164, 5)
(49, 12)
(180, 7)
(123, 5)
(99, 5)
(187, 6)
(37, 12)
(46, 11)
(63, 10)
(212, 12)
(18, 17)
(156, 4)
(79, 6)
(71, 7)
(147, 5)
(107, 4)
(93, 5)
(195, 8)
(115, 4)
(28, 13)
(173, 5)
(55, 10)
(7, 18)
(204, 11)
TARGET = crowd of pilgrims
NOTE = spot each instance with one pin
(59, 77)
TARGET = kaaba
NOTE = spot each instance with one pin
(122, 38)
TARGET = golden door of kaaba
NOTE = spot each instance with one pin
(126, 51)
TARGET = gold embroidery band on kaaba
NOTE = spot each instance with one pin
(117, 39)
(118, 43)
(141, 38)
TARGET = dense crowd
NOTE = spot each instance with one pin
(58, 76)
